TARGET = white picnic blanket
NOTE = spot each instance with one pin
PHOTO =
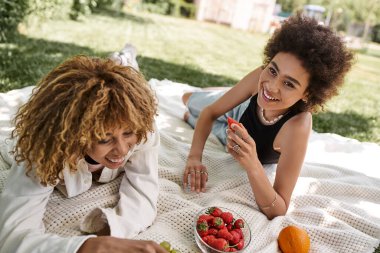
(336, 199)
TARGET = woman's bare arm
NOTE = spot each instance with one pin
(292, 141)
(233, 97)
(117, 245)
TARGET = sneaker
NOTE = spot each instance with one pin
(126, 57)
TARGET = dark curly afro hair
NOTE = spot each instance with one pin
(322, 53)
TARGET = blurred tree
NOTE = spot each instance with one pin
(291, 5)
(185, 8)
(342, 12)
(367, 12)
(11, 13)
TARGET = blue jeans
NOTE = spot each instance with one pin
(200, 99)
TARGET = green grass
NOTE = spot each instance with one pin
(187, 51)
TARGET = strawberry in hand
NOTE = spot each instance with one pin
(231, 121)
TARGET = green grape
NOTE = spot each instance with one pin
(166, 245)
(175, 251)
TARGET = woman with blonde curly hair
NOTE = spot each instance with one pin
(88, 119)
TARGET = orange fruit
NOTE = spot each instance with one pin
(294, 240)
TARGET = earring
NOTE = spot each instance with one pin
(304, 100)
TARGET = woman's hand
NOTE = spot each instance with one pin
(117, 245)
(241, 146)
(197, 173)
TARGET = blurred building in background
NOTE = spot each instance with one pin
(248, 15)
(315, 11)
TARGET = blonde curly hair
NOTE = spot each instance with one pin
(72, 108)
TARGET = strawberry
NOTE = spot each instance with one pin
(223, 233)
(227, 217)
(235, 237)
(217, 222)
(231, 121)
(212, 231)
(200, 220)
(208, 238)
(205, 238)
(239, 223)
(206, 217)
(214, 211)
(239, 232)
(202, 227)
(240, 244)
(219, 244)
(229, 227)
(233, 250)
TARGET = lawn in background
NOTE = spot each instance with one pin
(186, 51)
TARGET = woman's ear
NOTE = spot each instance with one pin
(305, 97)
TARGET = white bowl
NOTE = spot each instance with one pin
(205, 248)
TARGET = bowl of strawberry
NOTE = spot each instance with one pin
(218, 229)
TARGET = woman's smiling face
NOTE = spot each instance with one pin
(112, 150)
(282, 83)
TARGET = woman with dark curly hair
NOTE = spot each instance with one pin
(304, 65)
(88, 120)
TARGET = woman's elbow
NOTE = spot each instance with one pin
(271, 216)
(275, 212)
(209, 113)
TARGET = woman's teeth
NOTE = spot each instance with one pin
(119, 160)
(269, 97)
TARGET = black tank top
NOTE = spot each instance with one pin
(263, 135)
